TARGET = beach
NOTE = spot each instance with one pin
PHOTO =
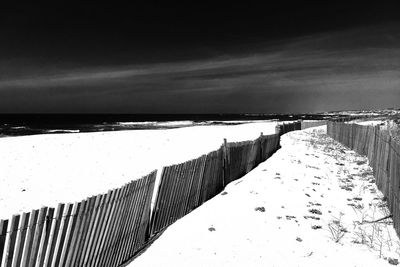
(44, 170)
(313, 203)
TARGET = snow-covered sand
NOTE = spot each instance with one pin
(311, 204)
(43, 170)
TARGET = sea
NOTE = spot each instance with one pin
(30, 124)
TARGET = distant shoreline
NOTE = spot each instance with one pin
(32, 124)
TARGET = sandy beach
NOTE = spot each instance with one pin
(43, 170)
(310, 204)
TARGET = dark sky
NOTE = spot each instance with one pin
(199, 58)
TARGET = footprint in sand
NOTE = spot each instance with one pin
(315, 211)
(261, 209)
(311, 217)
(315, 227)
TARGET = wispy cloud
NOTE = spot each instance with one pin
(297, 76)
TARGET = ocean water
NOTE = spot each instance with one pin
(29, 124)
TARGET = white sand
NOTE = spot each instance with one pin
(310, 171)
(371, 122)
(43, 170)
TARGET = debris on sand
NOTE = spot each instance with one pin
(262, 209)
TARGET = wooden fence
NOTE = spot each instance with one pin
(184, 187)
(103, 230)
(383, 153)
(108, 229)
(288, 127)
(309, 124)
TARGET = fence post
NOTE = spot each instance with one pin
(3, 233)
(225, 163)
(278, 129)
(261, 148)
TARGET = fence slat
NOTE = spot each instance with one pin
(45, 237)
(23, 227)
(169, 195)
(3, 233)
(61, 234)
(29, 237)
(76, 234)
(157, 211)
(53, 235)
(102, 230)
(100, 218)
(90, 229)
(37, 236)
(10, 241)
(84, 230)
(114, 223)
(144, 223)
(106, 228)
(69, 233)
(127, 235)
(121, 225)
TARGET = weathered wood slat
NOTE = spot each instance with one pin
(142, 214)
(114, 259)
(194, 188)
(10, 242)
(54, 231)
(144, 225)
(85, 232)
(105, 243)
(29, 237)
(91, 229)
(170, 204)
(45, 238)
(70, 258)
(37, 236)
(69, 233)
(61, 234)
(179, 193)
(187, 180)
(204, 179)
(3, 234)
(128, 238)
(157, 211)
(107, 227)
(122, 224)
(104, 218)
(23, 227)
(136, 238)
(197, 187)
(114, 225)
(134, 229)
(96, 233)
(168, 196)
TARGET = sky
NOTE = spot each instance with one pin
(198, 58)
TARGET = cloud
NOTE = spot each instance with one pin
(308, 74)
